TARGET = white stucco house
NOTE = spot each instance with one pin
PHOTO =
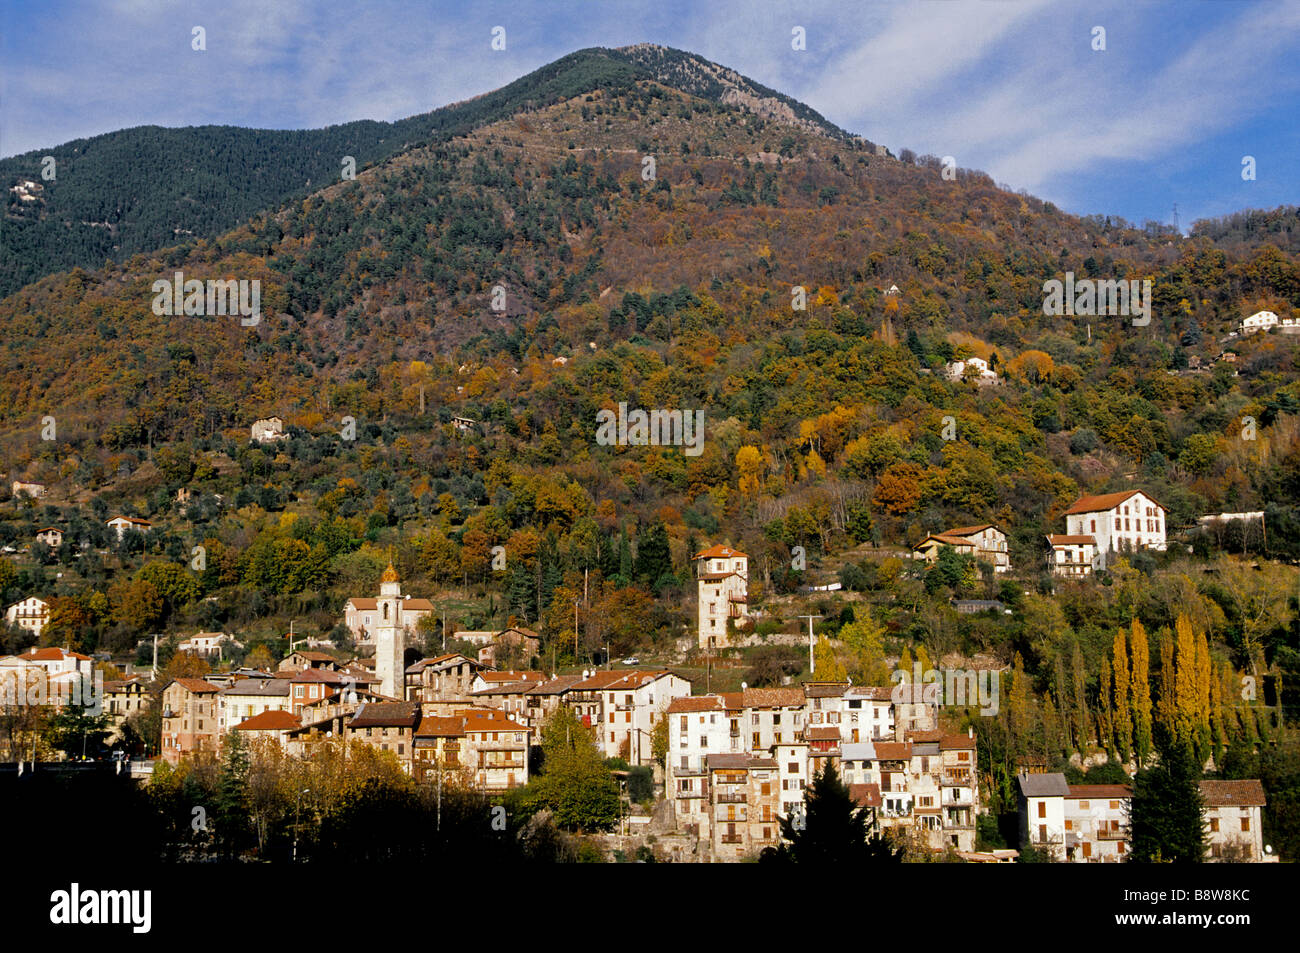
(977, 367)
(1259, 321)
(1096, 527)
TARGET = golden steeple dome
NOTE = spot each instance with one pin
(390, 574)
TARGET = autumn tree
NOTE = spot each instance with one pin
(1121, 705)
(1140, 693)
(899, 489)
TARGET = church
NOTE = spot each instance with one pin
(390, 636)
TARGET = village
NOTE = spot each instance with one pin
(728, 767)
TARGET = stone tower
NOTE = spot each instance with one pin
(390, 637)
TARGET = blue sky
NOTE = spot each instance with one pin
(1163, 115)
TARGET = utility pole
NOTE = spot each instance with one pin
(812, 661)
(575, 630)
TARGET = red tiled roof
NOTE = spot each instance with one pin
(893, 750)
(440, 726)
(1233, 793)
(1106, 501)
(773, 697)
(509, 676)
(719, 552)
(51, 655)
(695, 703)
(945, 540)
(1062, 539)
(866, 795)
(269, 721)
(968, 530)
(319, 675)
(386, 715)
(822, 733)
(950, 742)
(1100, 791)
(481, 721)
(419, 605)
(196, 685)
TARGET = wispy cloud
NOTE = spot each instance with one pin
(1008, 86)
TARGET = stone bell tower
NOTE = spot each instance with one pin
(390, 636)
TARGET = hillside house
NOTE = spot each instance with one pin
(1099, 527)
(34, 490)
(972, 368)
(1232, 815)
(267, 429)
(1259, 321)
(191, 719)
(121, 524)
(51, 536)
(247, 698)
(722, 576)
(31, 614)
(985, 542)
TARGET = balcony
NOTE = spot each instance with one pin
(727, 797)
(1112, 833)
(961, 780)
(731, 839)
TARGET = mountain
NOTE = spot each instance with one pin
(148, 187)
(465, 268)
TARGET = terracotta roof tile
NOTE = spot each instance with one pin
(695, 703)
(1106, 501)
(1233, 793)
(269, 721)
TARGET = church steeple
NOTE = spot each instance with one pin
(390, 635)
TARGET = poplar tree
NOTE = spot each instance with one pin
(1080, 712)
(1123, 715)
(1186, 705)
(1052, 747)
(1018, 706)
(1166, 705)
(1140, 693)
(1204, 688)
(1105, 720)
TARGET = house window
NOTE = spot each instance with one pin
(1083, 806)
(1245, 823)
(1042, 808)
(1087, 849)
(1214, 825)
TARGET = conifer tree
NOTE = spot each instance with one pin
(1166, 821)
(831, 828)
